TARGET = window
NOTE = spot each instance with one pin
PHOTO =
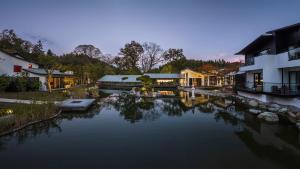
(17, 68)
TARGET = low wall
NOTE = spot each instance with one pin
(266, 98)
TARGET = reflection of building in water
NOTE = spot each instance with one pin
(223, 102)
(166, 92)
(186, 99)
(259, 137)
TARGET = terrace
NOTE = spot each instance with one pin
(275, 89)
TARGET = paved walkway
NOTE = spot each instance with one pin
(4, 100)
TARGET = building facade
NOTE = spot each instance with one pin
(192, 78)
(13, 65)
(272, 66)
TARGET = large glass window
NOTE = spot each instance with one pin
(294, 80)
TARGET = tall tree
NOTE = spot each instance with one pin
(88, 50)
(131, 55)
(38, 48)
(50, 53)
(49, 63)
(152, 56)
(173, 55)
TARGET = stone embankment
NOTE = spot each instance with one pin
(269, 112)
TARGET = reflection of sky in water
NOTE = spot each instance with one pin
(167, 132)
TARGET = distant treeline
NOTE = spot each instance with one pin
(88, 62)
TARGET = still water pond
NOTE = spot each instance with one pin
(126, 132)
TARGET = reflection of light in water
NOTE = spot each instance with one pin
(188, 101)
(166, 92)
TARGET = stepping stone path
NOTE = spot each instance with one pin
(253, 103)
(254, 111)
(268, 116)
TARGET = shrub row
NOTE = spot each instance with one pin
(18, 84)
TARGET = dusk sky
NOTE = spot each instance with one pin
(204, 29)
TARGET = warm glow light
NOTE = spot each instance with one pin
(165, 81)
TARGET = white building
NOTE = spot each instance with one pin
(192, 78)
(272, 67)
(229, 79)
(12, 64)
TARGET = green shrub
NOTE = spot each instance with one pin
(4, 82)
(32, 85)
(17, 84)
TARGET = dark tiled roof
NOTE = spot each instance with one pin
(43, 72)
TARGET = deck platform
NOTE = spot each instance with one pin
(76, 104)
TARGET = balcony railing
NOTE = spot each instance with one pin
(294, 54)
(249, 61)
(278, 89)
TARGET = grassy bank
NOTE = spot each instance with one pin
(13, 116)
(59, 95)
(38, 95)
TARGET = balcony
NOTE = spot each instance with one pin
(276, 89)
(294, 54)
(249, 61)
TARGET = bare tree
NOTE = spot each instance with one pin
(152, 56)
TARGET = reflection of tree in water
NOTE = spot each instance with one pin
(46, 127)
(83, 115)
(284, 155)
(227, 118)
(173, 107)
(277, 143)
(135, 109)
(132, 108)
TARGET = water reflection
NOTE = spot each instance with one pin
(277, 143)
(47, 128)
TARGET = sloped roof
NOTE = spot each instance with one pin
(43, 72)
(266, 37)
(120, 78)
(262, 39)
(163, 75)
(285, 28)
(15, 55)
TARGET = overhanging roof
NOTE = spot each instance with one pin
(285, 28)
(262, 39)
(14, 54)
(39, 71)
(120, 78)
(163, 75)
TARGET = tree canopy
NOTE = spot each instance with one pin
(133, 58)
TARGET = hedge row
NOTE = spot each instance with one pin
(18, 84)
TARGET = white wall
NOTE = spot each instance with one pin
(271, 66)
(7, 63)
(42, 79)
(272, 61)
(190, 74)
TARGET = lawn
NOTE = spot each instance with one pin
(37, 95)
(16, 115)
(78, 92)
